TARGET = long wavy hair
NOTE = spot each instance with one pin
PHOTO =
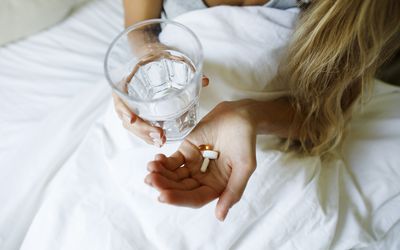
(333, 56)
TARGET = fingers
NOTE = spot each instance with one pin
(191, 154)
(159, 157)
(176, 175)
(150, 134)
(161, 183)
(187, 154)
(122, 110)
(170, 176)
(234, 190)
(174, 161)
(139, 127)
(189, 198)
(156, 167)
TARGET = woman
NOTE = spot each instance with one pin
(334, 54)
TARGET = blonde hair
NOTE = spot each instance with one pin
(334, 54)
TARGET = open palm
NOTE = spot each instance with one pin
(178, 177)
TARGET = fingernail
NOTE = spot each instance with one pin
(158, 157)
(126, 117)
(161, 199)
(155, 136)
(221, 215)
(157, 142)
(147, 181)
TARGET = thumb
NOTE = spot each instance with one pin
(234, 190)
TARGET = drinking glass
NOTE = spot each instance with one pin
(155, 67)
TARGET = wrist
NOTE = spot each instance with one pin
(248, 109)
(257, 114)
(268, 117)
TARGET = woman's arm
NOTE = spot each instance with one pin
(275, 117)
(136, 11)
(139, 10)
(231, 128)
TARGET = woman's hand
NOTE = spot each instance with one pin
(229, 129)
(142, 129)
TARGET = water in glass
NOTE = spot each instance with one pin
(165, 75)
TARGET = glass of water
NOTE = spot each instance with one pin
(155, 67)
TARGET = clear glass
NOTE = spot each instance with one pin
(155, 67)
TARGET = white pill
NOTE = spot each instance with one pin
(204, 166)
(210, 154)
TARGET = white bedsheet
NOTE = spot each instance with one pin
(72, 178)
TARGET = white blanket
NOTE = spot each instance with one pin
(72, 178)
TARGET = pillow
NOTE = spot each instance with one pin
(21, 18)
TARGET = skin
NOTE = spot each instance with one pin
(136, 11)
(178, 177)
(231, 127)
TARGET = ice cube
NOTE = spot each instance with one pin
(155, 73)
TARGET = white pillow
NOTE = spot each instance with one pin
(20, 18)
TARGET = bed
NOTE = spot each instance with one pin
(72, 178)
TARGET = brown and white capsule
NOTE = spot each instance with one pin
(208, 155)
